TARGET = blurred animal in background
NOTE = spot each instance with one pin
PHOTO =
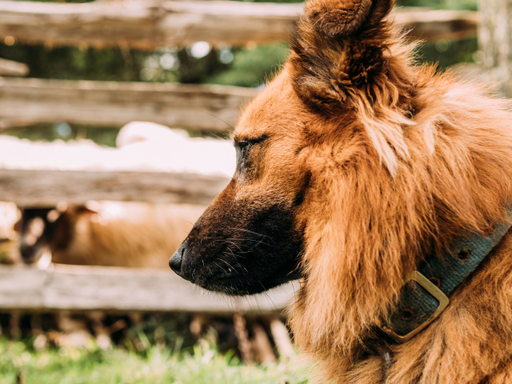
(106, 233)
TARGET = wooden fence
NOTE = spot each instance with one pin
(110, 289)
(195, 107)
(116, 289)
(46, 188)
(151, 24)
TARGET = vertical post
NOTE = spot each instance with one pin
(495, 41)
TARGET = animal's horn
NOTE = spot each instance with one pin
(343, 18)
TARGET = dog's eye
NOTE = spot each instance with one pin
(243, 147)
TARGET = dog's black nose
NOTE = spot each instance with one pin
(177, 259)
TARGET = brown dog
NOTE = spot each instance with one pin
(353, 166)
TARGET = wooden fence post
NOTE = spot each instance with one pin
(495, 41)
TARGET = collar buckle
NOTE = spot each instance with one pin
(439, 295)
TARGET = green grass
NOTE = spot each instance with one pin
(118, 366)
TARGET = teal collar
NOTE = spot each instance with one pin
(426, 294)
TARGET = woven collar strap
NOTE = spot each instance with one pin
(425, 295)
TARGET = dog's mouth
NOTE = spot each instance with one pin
(241, 285)
(249, 276)
(230, 285)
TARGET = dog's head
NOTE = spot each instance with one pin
(297, 137)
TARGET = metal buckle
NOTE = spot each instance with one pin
(438, 295)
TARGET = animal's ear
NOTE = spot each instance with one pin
(340, 47)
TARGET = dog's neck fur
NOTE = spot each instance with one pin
(380, 227)
(420, 160)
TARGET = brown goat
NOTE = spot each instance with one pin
(107, 233)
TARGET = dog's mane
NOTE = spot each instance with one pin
(416, 159)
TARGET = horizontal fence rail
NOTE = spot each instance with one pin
(152, 24)
(80, 288)
(102, 103)
(42, 188)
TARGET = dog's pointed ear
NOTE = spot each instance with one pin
(339, 48)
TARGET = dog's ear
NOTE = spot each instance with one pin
(340, 48)
(338, 17)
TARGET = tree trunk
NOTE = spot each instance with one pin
(495, 38)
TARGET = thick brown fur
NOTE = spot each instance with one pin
(389, 161)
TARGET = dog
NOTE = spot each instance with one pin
(355, 169)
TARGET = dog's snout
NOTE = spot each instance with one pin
(176, 260)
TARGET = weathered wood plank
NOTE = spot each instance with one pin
(79, 288)
(31, 188)
(149, 24)
(205, 107)
(146, 24)
(12, 68)
(21, 287)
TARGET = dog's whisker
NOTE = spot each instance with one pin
(250, 240)
(234, 254)
(230, 267)
(248, 231)
(219, 266)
